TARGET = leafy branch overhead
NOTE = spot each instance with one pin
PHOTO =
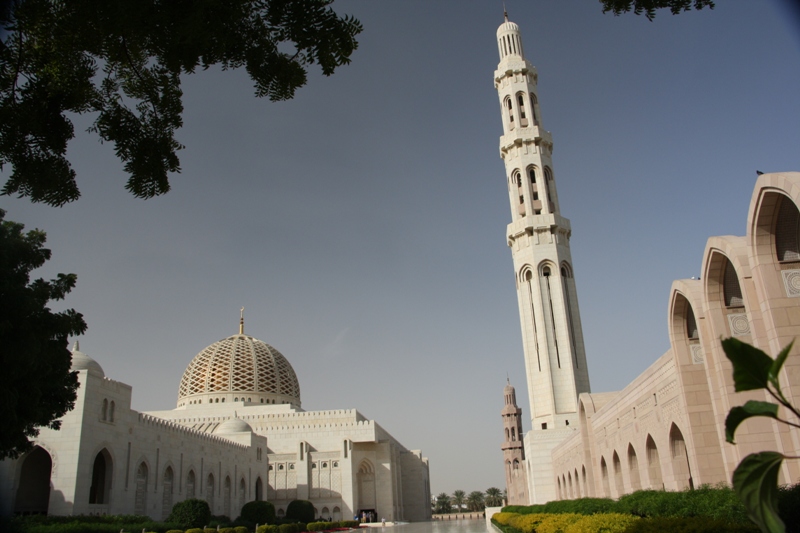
(121, 60)
(755, 480)
(648, 7)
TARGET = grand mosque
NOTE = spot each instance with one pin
(237, 434)
(666, 429)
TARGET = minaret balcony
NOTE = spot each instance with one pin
(531, 135)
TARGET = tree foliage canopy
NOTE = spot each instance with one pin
(121, 61)
(648, 7)
(36, 385)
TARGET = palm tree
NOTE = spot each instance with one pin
(475, 501)
(458, 500)
(443, 504)
(494, 497)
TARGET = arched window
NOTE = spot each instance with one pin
(523, 118)
(691, 323)
(259, 490)
(140, 500)
(100, 489)
(787, 231)
(111, 411)
(534, 103)
(577, 485)
(731, 289)
(104, 415)
(166, 492)
(190, 483)
(337, 514)
(510, 108)
(513, 434)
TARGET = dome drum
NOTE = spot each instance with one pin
(239, 368)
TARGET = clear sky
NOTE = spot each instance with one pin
(362, 225)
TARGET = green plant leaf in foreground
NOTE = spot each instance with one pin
(755, 481)
(751, 366)
(737, 415)
(776, 366)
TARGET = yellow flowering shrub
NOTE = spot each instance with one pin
(557, 523)
(528, 523)
(601, 523)
(504, 519)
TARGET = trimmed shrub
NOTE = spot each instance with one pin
(241, 529)
(349, 523)
(191, 513)
(605, 522)
(289, 528)
(557, 523)
(226, 530)
(300, 510)
(718, 502)
(789, 507)
(266, 528)
(175, 531)
(195, 530)
(694, 524)
(258, 512)
(527, 523)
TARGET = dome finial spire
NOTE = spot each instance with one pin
(241, 322)
(505, 12)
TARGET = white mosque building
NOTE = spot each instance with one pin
(238, 434)
(666, 429)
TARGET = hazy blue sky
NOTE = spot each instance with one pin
(362, 224)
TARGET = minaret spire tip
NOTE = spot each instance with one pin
(505, 12)
(241, 322)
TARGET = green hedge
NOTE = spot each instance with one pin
(79, 526)
(789, 507)
(258, 512)
(192, 513)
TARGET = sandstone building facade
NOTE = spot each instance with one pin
(665, 430)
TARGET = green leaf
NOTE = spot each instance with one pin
(737, 415)
(755, 481)
(751, 366)
(777, 364)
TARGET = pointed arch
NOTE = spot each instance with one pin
(226, 496)
(242, 493)
(633, 469)
(210, 492)
(680, 459)
(604, 476)
(167, 490)
(653, 464)
(191, 482)
(33, 490)
(259, 489)
(366, 485)
(140, 499)
(619, 486)
(578, 493)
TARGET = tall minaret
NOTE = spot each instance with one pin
(538, 236)
(513, 450)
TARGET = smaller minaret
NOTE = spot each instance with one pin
(514, 449)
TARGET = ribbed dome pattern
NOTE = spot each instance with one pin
(241, 364)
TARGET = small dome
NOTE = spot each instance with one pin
(234, 425)
(239, 368)
(81, 361)
(507, 27)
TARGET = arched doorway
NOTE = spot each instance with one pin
(366, 485)
(604, 477)
(140, 503)
(33, 494)
(619, 487)
(100, 490)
